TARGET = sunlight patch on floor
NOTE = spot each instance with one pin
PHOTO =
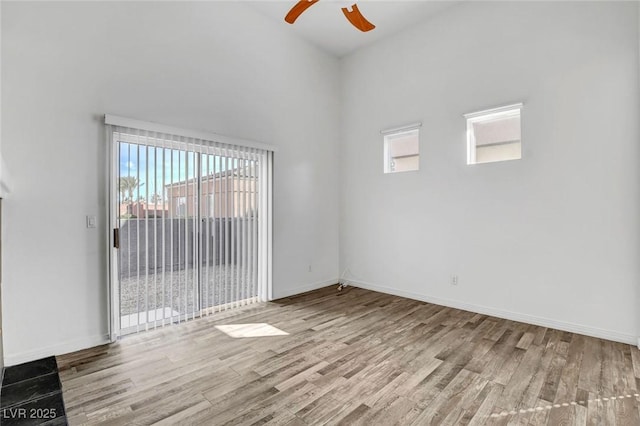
(250, 330)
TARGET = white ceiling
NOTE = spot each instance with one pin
(324, 24)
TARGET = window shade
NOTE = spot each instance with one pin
(194, 226)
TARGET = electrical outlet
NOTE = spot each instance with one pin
(454, 280)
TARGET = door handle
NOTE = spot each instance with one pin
(116, 238)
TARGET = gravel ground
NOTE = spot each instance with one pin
(171, 287)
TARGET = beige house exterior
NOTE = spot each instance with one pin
(224, 195)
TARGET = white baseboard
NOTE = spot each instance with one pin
(513, 316)
(90, 342)
(59, 349)
(281, 293)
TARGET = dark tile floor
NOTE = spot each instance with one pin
(31, 395)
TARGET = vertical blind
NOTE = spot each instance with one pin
(191, 217)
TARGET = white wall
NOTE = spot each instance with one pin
(551, 239)
(218, 67)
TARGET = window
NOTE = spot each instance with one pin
(212, 263)
(402, 149)
(494, 135)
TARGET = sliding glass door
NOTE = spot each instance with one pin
(190, 221)
(228, 231)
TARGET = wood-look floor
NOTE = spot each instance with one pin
(354, 357)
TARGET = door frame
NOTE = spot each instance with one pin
(265, 221)
(112, 249)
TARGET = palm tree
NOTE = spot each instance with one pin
(128, 184)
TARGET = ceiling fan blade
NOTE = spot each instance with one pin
(357, 20)
(297, 10)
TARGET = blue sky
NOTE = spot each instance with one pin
(140, 160)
